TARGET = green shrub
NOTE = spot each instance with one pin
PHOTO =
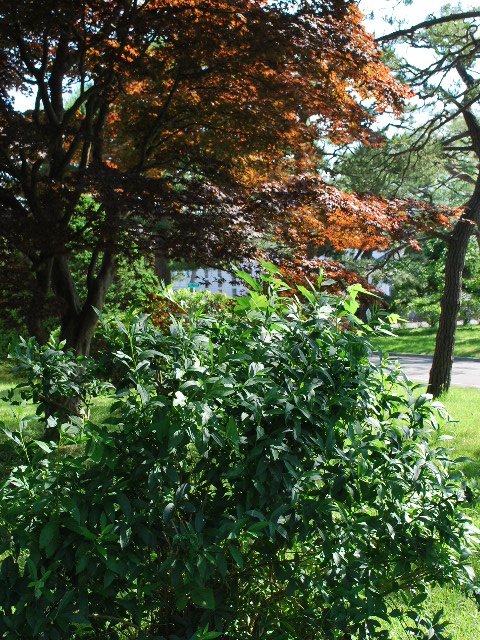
(257, 478)
(469, 309)
(428, 309)
(7, 337)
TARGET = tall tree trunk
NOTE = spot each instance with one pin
(79, 321)
(441, 371)
(78, 324)
(162, 270)
(37, 311)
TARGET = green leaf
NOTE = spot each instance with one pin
(121, 326)
(67, 598)
(203, 597)
(236, 555)
(199, 522)
(144, 395)
(124, 504)
(246, 277)
(355, 289)
(125, 535)
(419, 598)
(48, 534)
(221, 564)
(182, 602)
(108, 578)
(232, 432)
(351, 306)
(44, 446)
(269, 267)
(308, 294)
(259, 300)
(96, 451)
(168, 512)
(205, 634)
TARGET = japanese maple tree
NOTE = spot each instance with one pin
(177, 118)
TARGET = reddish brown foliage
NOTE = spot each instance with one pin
(187, 121)
(310, 213)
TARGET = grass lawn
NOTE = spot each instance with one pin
(422, 341)
(462, 404)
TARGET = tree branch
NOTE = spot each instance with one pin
(40, 80)
(426, 24)
(458, 175)
(91, 268)
(455, 138)
(11, 201)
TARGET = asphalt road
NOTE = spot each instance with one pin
(465, 372)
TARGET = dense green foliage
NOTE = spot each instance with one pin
(418, 277)
(256, 478)
(185, 302)
(417, 280)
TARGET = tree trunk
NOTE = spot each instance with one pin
(79, 322)
(38, 309)
(162, 271)
(441, 371)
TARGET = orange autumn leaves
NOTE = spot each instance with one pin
(310, 213)
(193, 125)
(221, 81)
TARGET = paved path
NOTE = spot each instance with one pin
(465, 372)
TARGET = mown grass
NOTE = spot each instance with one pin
(422, 341)
(464, 407)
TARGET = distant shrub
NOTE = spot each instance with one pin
(469, 309)
(428, 309)
(257, 478)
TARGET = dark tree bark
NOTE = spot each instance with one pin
(37, 311)
(161, 269)
(79, 321)
(441, 371)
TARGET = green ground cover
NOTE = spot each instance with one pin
(464, 407)
(422, 341)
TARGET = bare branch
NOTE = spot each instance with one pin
(40, 80)
(457, 175)
(455, 138)
(426, 24)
